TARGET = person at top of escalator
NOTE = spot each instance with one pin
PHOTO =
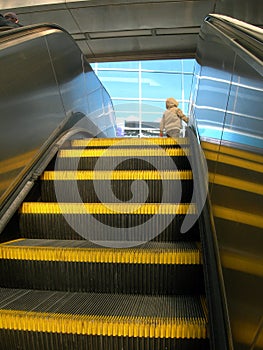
(7, 23)
(172, 118)
(12, 17)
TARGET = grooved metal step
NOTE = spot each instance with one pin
(124, 159)
(107, 222)
(153, 268)
(102, 263)
(130, 142)
(107, 186)
(123, 318)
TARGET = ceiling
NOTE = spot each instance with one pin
(131, 29)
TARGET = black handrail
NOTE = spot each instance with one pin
(240, 35)
(242, 27)
(7, 33)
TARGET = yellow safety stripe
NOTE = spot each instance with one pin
(121, 326)
(100, 255)
(117, 175)
(237, 153)
(13, 241)
(238, 162)
(238, 184)
(107, 208)
(238, 216)
(123, 152)
(129, 142)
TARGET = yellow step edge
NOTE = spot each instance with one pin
(100, 255)
(121, 326)
(123, 152)
(118, 175)
(13, 241)
(107, 208)
(129, 141)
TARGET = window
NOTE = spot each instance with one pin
(138, 89)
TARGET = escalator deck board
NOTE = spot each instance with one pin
(103, 314)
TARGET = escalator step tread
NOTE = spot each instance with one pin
(153, 268)
(107, 186)
(109, 208)
(123, 152)
(85, 251)
(104, 314)
(100, 274)
(118, 175)
(136, 158)
(133, 161)
(124, 222)
(122, 142)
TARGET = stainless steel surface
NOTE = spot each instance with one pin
(227, 105)
(111, 30)
(45, 82)
(124, 30)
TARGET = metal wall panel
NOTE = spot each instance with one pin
(45, 84)
(228, 107)
(122, 29)
(148, 27)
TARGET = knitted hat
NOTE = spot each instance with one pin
(10, 15)
(171, 102)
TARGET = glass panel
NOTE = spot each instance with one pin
(156, 104)
(163, 65)
(140, 95)
(126, 110)
(188, 65)
(151, 112)
(161, 85)
(120, 84)
(125, 105)
(187, 85)
(116, 65)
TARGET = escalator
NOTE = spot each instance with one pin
(99, 260)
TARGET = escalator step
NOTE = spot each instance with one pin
(102, 263)
(124, 222)
(123, 159)
(130, 142)
(117, 175)
(119, 152)
(107, 186)
(154, 268)
(127, 320)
